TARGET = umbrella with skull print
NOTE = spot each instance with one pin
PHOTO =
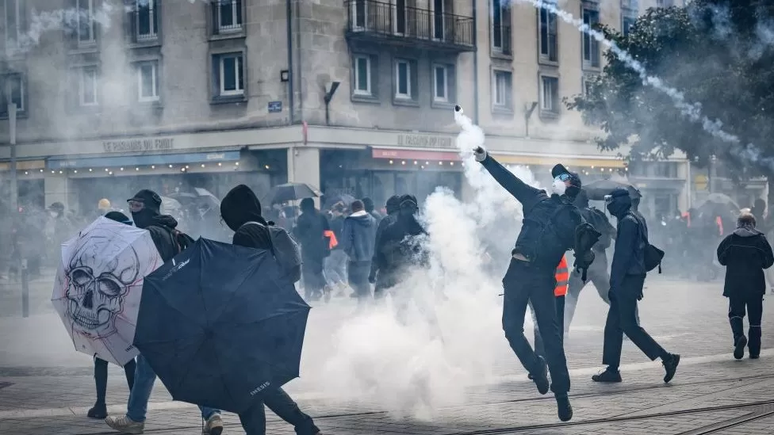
(98, 287)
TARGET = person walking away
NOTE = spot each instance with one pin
(357, 242)
(310, 232)
(627, 278)
(145, 207)
(241, 211)
(393, 207)
(597, 272)
(550, 227)
(745, 253)
(336, 263)
(370, 208)
(560, 293)
(99, 410)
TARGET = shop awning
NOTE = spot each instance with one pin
(404, 154)
(141, 160)
(511, 159)
(24, 165)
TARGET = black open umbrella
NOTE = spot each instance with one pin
(219, 324)
(290, 192)
(597, 190)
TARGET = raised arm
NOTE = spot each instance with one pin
(527, 195)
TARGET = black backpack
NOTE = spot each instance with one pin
(599, 221)
(181, 240)
(653, 255)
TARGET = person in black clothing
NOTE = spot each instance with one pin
(99, 410)
(627, 278)
(398, 246)
(368, 203)
(241, 211)
(597, 272)
(310, 232)
(745, 253)
(393, 207)
(548, 231)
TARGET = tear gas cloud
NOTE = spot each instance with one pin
(452, 335)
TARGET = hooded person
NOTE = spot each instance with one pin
(745, 253)
(393, 207)
(550, 228)
(627, 278)
(99, 410)
(145, 206)
(310, 230)
(597, 272)
(398, 247)
(370, 208)
(357, 242)
(241, 211)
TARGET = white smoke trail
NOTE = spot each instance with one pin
(407, 368)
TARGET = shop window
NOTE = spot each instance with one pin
(13, 82)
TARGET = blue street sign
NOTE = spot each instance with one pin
(275, 106)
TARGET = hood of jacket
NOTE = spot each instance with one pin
(620, 203)
(239, 207)
(163, 220)
(362, 218)
(747, 232)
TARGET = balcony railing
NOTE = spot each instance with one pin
(372, 18)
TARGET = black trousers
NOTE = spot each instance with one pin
(622, 319)
(525, 284)
(753, 304)
(101, 377)
(254, 420)
(559, 302)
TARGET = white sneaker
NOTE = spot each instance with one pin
(213, 425)
(126, 425)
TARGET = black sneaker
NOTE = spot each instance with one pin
(99, 411)
(741, 342)
(670, 365)
(541, 378)
(563, 407)
(608, 376)
(754, 356)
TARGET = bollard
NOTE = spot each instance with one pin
(25, 280)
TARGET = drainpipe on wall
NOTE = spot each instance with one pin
(475, 64)
(291, 76)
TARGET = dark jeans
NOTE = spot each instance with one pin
(736, 311)
(357, 273)
(254, 420)
(101, 377)
(622, 319)
(525, 284)
(597, 275)
(559, 302)
(314, 280)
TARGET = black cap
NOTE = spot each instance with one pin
(118, 217)
(619, 192)
(559, 170)
(151, 199)
(408, 202)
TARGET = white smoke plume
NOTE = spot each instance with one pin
(451, 335)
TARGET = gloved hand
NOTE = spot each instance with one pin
(372, 278)
(480, 154)
(640, 296)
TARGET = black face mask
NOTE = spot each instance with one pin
(618, 207)
(143, 218)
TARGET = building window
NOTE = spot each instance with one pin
(87, 86)
(12, 15)
(439, 11)
(627, 22)
(363, 75)
(501, 26)
(549, 95)
(148, 81)
(229, 72)
(548, 35)
(359, 9)
(15, 83)
(590, 45)
(229, 16)
(147, 20)
(502, 90)
(441, 83)
(85, 21)
(400, 17)
(665, 3)
(403, 79)
(629, 11)
(586, 84)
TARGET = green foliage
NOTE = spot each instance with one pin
(719, 53)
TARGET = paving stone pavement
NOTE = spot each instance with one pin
(712, 392)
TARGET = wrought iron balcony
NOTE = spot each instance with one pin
(379, 22)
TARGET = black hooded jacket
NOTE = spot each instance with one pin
(162, 231)
(310, 232)
(631, 240)
(539, 209)
(745, 253)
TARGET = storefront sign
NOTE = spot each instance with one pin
(139, 145)
(425, 141)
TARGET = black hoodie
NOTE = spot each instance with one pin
(745, 253)
(162, 229)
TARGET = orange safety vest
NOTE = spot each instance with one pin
(562, 278)
(332, 239)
